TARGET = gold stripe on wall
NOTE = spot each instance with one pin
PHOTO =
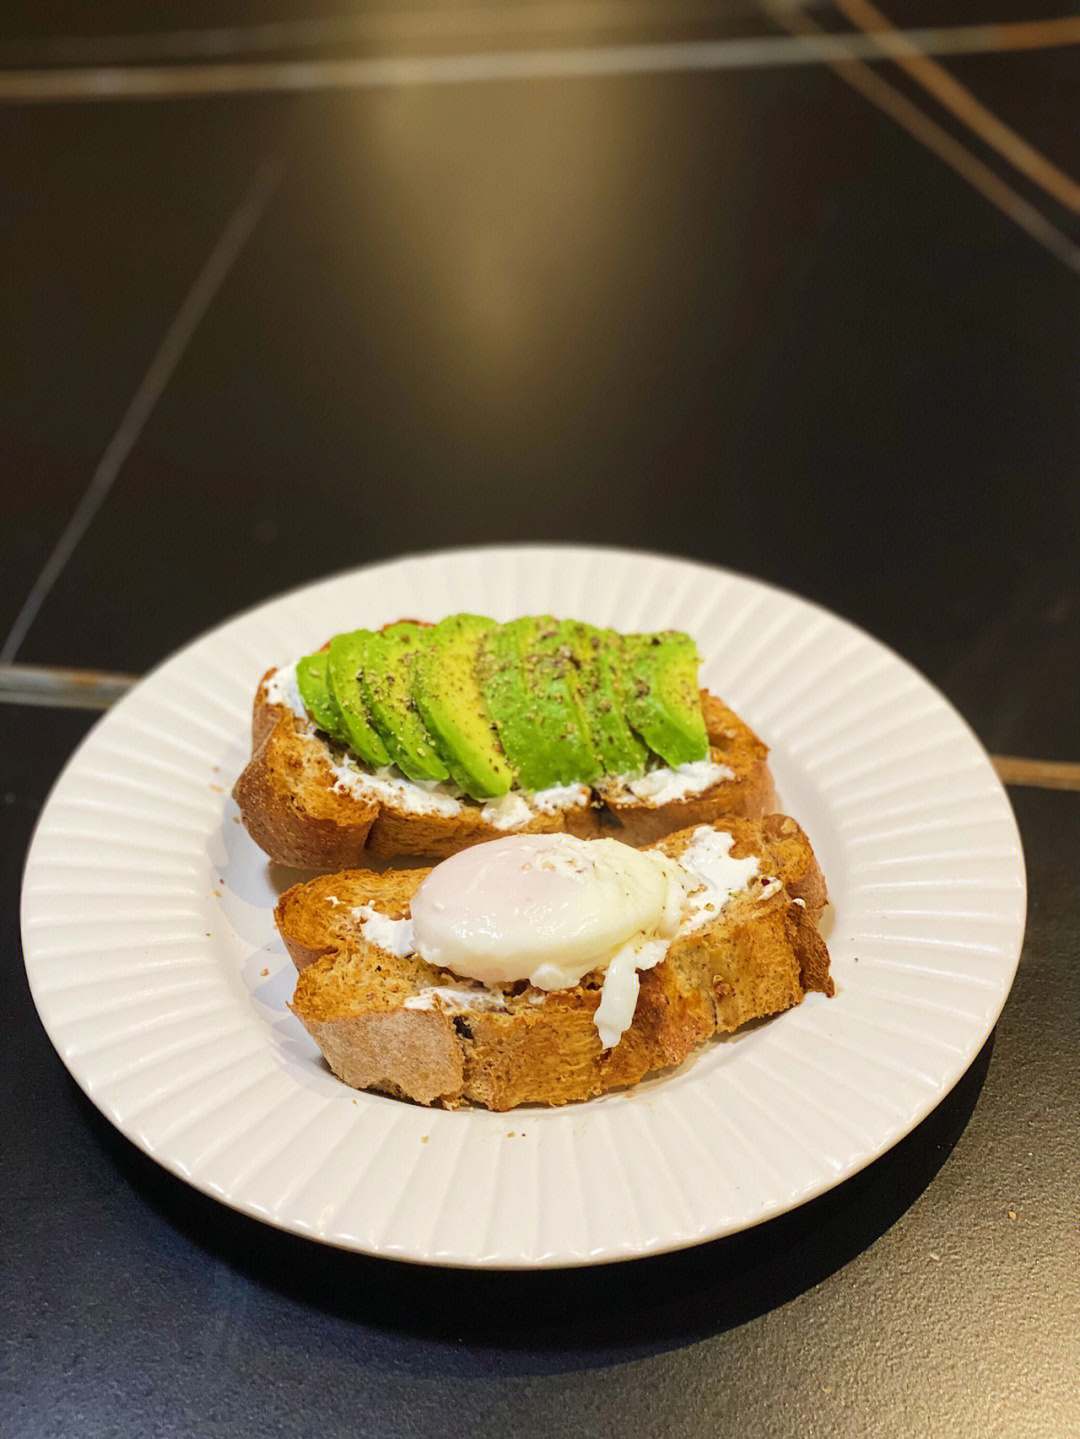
(1037, 773)
(959, 100)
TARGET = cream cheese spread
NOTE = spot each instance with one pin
(662, 785)
(709, 860)
(508, 811)
(426, 796)
(453, 998)
(393, 935)
(280, 689)
(560, 796)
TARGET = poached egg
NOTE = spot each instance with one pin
(543, 907)
(551, 908)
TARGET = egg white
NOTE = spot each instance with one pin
(547, 908)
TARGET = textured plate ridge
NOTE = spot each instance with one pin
(159, 977)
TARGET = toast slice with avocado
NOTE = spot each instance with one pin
(387, 1020)
(421, 740)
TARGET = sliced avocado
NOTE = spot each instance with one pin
(311, 681)
(661, 694)
(601, 660)
(529, 680)
(386, 685)
(347, 656)
(509, 700)
(447, 691)
(553, 672)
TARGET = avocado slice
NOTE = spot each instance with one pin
(553, 671)
(447, 693)
(386, 685)
(529, 679)
(347, 657)
(601, 660)
(311, 681)
(501, 674)
(661, 694)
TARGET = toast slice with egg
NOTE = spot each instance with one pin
(387, 1020)
(308, 806)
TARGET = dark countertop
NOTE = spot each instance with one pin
(740, 315)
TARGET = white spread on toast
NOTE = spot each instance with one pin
(425, 796)
(583, 906)
(280, 689)
(708, 858)
(662, 785)
(508, 811)
(517, 807)
(452, 998)
(393, 935)
(560, 796)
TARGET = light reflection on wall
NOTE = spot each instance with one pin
(510, 210)
(525, 268)
(528, 232)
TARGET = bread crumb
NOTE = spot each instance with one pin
(1012, 1213)
(218, 788)
(236, 819)
(208, 934)
(935, 1257)
(509, 1134)
(217, 893)
(264, 972)
(424, 1138)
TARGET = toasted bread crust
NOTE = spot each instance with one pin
(289, 805)
(761, 956)
(287, 799)
(409, 1053)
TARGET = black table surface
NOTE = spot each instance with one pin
(817, 323)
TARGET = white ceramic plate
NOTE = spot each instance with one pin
(159, 976)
